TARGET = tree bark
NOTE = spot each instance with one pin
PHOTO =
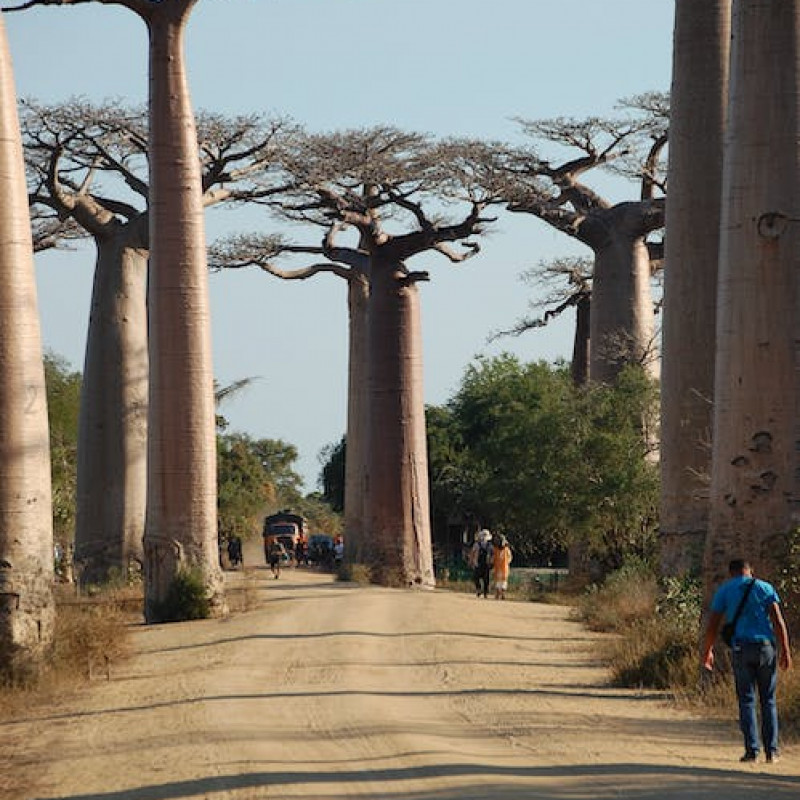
(357, 404)
(112, 441)
(181, 529)
(697, 122)
(26, 518)
(398, 495)
(581, 348)
(621, 324)
(754, 482)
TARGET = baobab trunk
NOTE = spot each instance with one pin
(621, 324)
(26, 518)
(581, 347)
(399, 546)
(181, 530)
(698, 101)
(357, 404)
(112, 441)
(754, 485)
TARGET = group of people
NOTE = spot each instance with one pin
(490, 558)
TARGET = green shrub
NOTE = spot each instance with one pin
(186, 598)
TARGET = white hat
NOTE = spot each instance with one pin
(485, 535)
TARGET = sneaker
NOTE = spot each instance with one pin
(749, 756)
(774, 757)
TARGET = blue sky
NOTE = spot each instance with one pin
(446, 67)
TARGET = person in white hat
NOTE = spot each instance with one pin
(480, 559)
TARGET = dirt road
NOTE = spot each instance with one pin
(325, 690)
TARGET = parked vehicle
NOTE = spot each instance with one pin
(320, 549)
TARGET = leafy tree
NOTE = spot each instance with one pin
(63, 406)
(245, 489)
(522, 450)
(333, 459)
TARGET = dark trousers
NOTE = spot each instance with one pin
(481, 577)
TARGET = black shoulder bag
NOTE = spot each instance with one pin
(729, 628)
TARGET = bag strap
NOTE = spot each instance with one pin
(742, 602)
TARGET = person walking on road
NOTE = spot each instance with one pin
(276, 555)
(755, 658)
(480, 559)
(501, 567)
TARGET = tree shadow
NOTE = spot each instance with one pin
(477, 781)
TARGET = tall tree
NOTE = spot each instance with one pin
(621, 323)
(577, 294)
(26, 521)
(698, 101)
(181, 528)
(88, 164)
(754, 480)
(352, 266)
(376, 184)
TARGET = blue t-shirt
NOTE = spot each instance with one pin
(754, 623)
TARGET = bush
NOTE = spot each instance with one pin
(628, 594)
(656, 654)
(186, 598)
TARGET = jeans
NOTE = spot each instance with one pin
(755, 667)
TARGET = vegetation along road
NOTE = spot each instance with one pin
(330, 690)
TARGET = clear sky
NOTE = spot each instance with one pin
(446, 67)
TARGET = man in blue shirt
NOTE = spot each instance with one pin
(754, 653)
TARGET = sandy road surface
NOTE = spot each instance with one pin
(329, 691)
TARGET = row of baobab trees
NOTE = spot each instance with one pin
(377, 198)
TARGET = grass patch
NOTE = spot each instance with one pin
(657, 645)
(90, 640)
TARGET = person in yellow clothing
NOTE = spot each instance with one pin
(501, 566)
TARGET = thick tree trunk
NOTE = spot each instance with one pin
(754, 482)
(357, 404)
(581, 347)
(621, 325)
(399, 508)
(112, 442)
(698, 105)
(26, 518)
(181, 527)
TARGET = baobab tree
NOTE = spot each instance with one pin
(26, 521)
(181, 528)
(621, 324)
(576, 294)
(698, 101)
(88, 163)
(351, 265)
(375, 185)
(754, 477)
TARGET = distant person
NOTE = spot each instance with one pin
(234, 551)
(338, 551)
(301, 551)
(754, 655)
(480, 559)
(501, 567)
(276, 554)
